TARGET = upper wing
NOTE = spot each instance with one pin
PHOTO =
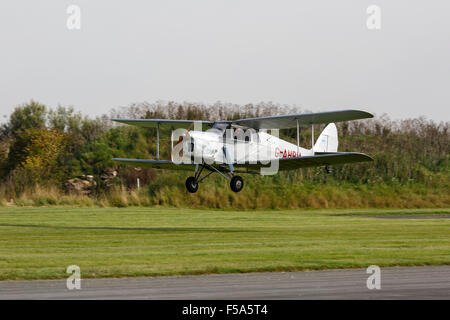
(274, 122)
(152, 123)
(158, 164)
(290, 121)
(312, 161)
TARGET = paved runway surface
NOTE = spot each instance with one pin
(396, 283)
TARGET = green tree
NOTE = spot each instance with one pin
(28, 116)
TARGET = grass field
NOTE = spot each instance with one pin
(39, 243)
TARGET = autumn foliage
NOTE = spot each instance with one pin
(41, 148)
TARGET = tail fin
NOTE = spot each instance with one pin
(328, 140)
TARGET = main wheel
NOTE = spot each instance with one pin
(191, 185)
(236, 183)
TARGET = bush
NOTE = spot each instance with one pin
(52, 146)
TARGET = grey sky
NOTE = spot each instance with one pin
(318, 55)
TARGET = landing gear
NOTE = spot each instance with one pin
(191, 185)
(236, 183)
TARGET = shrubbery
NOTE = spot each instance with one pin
(41, 148)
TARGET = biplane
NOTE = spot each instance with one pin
(242, 146)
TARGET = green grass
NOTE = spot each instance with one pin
(39, 243)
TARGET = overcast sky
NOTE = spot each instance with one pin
(318, 55)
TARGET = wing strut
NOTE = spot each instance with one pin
(228, 159)
(157, 141)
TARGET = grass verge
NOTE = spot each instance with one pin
(39, 243)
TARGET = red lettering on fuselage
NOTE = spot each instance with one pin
(286, 153)
(277, 152)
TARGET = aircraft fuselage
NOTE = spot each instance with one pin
(255, 147)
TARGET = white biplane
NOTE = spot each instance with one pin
(244, 146)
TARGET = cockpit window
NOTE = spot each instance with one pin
(243, 135)
(235, 133)
(222, 126)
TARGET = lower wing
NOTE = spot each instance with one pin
(325, 159)
(157, 164)
(284, 163)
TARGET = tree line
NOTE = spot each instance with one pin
(42, 146)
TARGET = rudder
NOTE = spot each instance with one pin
(328, 140)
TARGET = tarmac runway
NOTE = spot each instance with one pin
(396, 283)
